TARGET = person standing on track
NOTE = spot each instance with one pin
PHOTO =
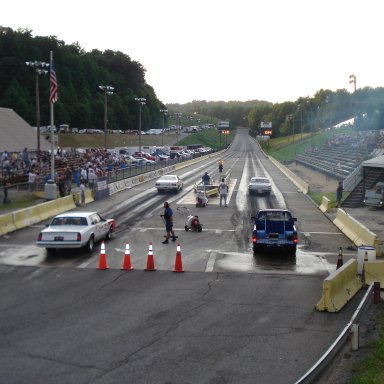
(206, 179)
(223, 191)
(339, 194)
(168, 220)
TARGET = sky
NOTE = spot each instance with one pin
(220, 50)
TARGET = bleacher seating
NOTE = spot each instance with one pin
(340, 157)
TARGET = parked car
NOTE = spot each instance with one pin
(75, 230)
(144, 155)
(169, 183)
(147, 161)
(163, 157)
(135, 160)
(274, 228)
(260, 185)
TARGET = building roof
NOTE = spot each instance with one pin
(375, 162)
(16, 134)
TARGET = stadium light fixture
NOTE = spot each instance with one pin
(39, 67)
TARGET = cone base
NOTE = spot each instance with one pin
(150, 269)
(126, 269)
(101, 268)
(177, 270)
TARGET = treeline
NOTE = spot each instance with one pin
(235, 111)
(325, 109)
(309, 114)
(79, 75)
(81, 102)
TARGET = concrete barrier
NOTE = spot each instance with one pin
(6, 224)
(301, 184)
(48, 209)
(339, 287)
(26, 217)
(325, 205)
(354, 230)
(88, 196)
(373, 271)
(66, 203)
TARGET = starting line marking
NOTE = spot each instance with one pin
(183, 229)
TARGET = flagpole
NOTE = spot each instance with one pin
(52, 133)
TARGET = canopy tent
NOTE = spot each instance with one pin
(16, 134)
(375, 162)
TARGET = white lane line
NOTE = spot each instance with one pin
(183, 229)
(321, 233)
(211, 262)
(241, 196)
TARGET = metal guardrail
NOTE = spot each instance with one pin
(332, 351)
(353, 179)
(16, 192)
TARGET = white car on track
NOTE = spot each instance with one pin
(260, 185)
(169, 183)
(75, 230)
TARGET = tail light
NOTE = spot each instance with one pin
(78, 238)
(254, 239)
(295, 239)
(40, 237)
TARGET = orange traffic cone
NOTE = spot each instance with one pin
(340, 259)
(127, 259)
(150, 260)
(103, 258)
(178, 263)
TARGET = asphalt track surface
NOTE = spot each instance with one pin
(84, 325)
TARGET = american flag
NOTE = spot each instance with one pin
(53, 97)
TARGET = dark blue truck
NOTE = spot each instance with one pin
(274, 228)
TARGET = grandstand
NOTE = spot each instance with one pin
(351, 159)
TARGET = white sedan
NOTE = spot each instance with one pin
(259, 185)
(75, 230)
(169, 183)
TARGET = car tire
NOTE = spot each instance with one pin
(108, 236)
(50, 251)
(186, 228)
(90, 244)
(257, 249)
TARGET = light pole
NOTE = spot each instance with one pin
(142, 101)
(108, 90)
(164, 112)
(301, 120)
(178, 114)
(38, 66)
(289, 119)
(352, 80)
(311, 122)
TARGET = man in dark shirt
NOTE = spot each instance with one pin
(168, 220)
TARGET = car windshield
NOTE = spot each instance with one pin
(274, 216)
(168, 178)
(69, 221)
(258, 180)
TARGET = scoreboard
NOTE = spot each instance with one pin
(267, 132)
